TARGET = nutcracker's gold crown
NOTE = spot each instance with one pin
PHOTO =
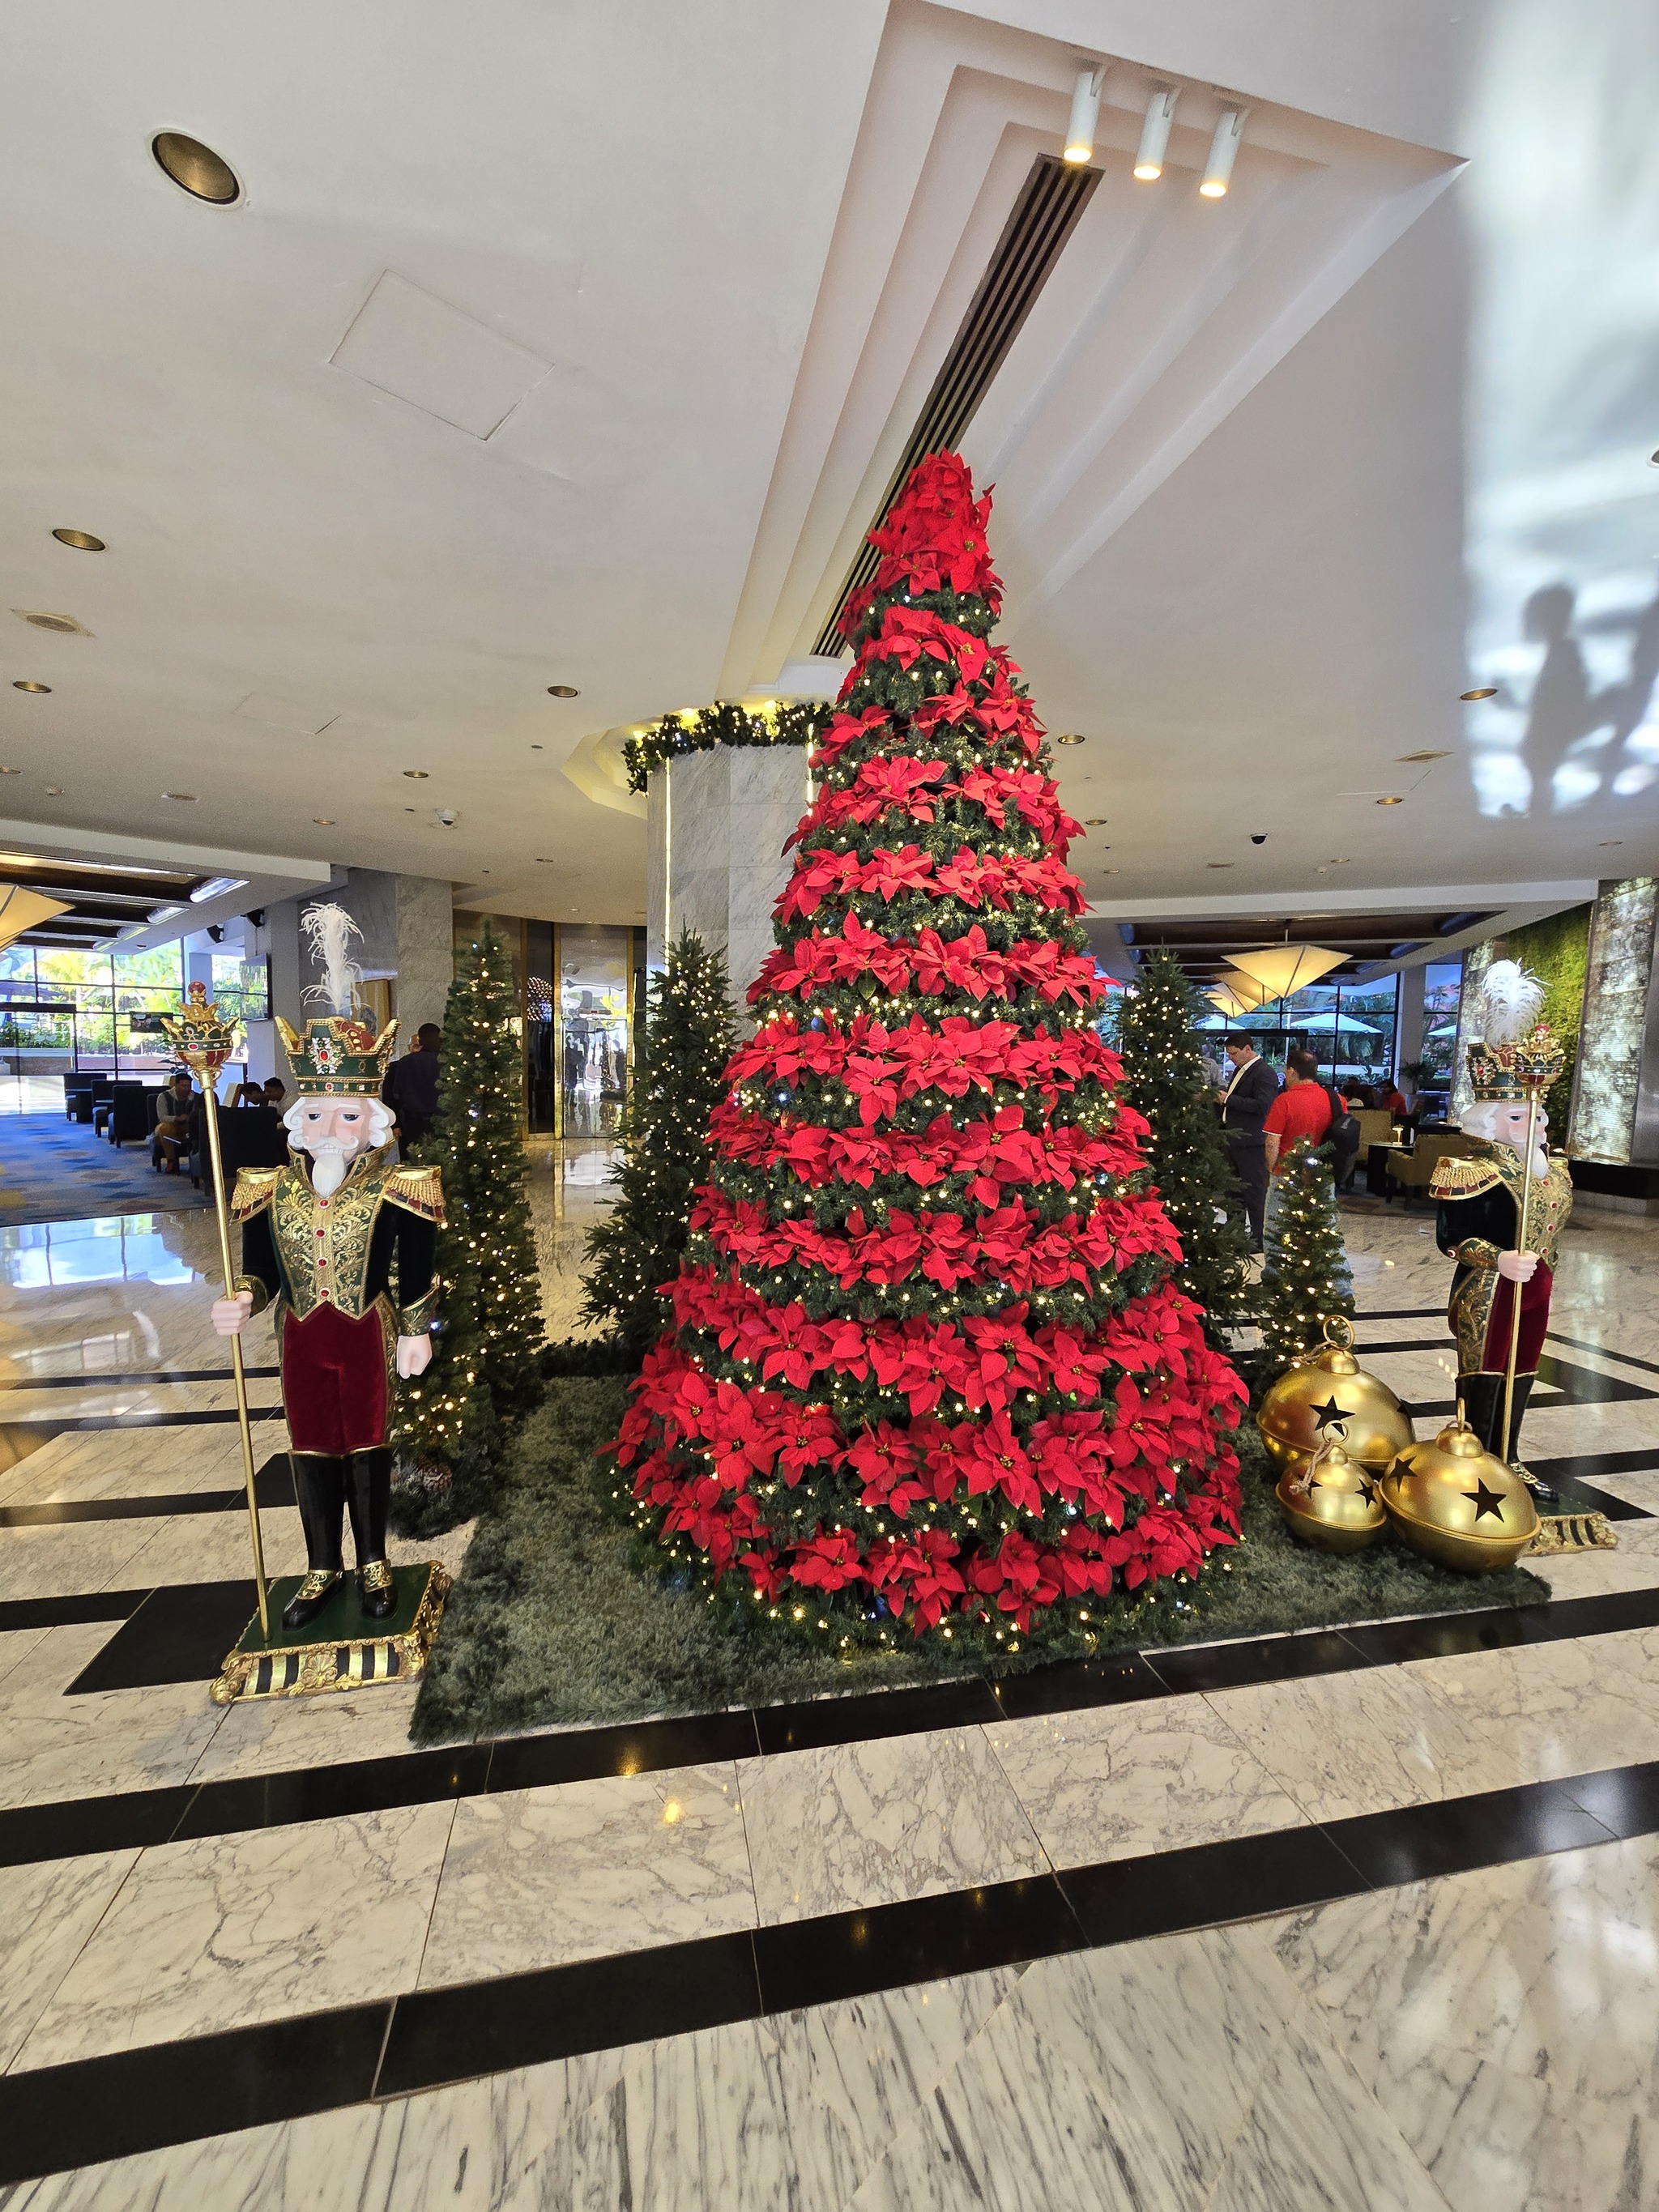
(1510, 1075)
(338, 1057)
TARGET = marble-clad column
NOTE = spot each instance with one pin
(426, 951)
(715, 823)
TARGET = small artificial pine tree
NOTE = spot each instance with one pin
(928, 1372)
(486, 1356)
(1306, 1274)
(679, 1062)
(1155, 1034)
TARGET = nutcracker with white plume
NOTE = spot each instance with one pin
(341, 1245)
(1502, 1210)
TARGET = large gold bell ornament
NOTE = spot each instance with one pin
(1332, 1501)
(1458, 1505)
(1328, 1391)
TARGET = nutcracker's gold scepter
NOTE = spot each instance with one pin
(1536, 1062)
(204, 1041)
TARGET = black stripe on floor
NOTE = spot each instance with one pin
(274, 1482)
(195, 1417)
(71, 1827)
(128, 1376)
(57, 2118)
(1605, 1351)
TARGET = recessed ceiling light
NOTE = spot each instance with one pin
(1390, 802)
(1219, 864)
(563, 691)
(196, 169)
(10, 771)
(82, 540)
(1653, 460)
(543, 861)
(416, 774)
(1339, 861)
(535, 749)
(1480, 691)
(28, 683)
(185, 798)
(1096, 822)
(324, 821)
(1612, 841)
(1071, 738)
(1411, 759)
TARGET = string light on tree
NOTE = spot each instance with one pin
(1306, 1274)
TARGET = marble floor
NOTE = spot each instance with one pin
(1360, 1920)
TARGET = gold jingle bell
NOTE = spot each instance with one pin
(1327, 1390)
(1333, 1502)
(1455, 1504)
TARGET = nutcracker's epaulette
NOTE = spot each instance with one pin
(255, 1188)
(1460, 1178)
(417, 1190)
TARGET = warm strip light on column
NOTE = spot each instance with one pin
(1223, 152)
(1155, 134)
(1085, 115)
(1279, 969)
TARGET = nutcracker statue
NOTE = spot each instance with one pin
(1502, 1211)
(341, 1245)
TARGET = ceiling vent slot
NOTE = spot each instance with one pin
(1055, 196)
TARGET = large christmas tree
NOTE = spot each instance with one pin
(1163, 1078)
(928, 1363)
(486, 1356)
(678, 1063)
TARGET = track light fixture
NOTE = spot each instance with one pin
(1223, 152)
(1155, 133)
(1086, 114)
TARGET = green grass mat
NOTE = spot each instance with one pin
(550, 1623)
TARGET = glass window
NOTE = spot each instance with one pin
(592, 1040)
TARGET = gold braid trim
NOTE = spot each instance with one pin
(417, 1190)
(1460, 1178)
(255, 1188)
(1476, 1252)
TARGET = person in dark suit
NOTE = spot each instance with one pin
(1250, 1093)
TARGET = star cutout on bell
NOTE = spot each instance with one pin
(1485, 1500)
(1367, 1489)
(1329, 1412)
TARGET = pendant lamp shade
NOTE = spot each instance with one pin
(21, 910)
(1227, 1002)
(1281, 969)
(1245, 988)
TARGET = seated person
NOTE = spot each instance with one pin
(171, 1133)
(1358, 1098)
(1392, 1099)
(248, 1094)
(274, 1093)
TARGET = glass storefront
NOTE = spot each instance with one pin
(1350, 1027)
(588, 1027)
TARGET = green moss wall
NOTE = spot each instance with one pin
(1557, 950)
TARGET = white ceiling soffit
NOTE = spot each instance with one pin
(597, 768)
(1162, 313)
(264, 878)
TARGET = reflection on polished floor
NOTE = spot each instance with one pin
(1359, 1920)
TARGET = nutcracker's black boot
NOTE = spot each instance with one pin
(368, 1494)
(1483, 1409)
(319, 1492)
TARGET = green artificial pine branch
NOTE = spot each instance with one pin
(1306, 1275)
(486, 1360)
(1156, 1033)
(687, 1037)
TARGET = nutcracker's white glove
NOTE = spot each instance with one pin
(230, 1315)
(414, 1355)
(1517, 1266)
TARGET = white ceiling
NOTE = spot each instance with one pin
(578, 348)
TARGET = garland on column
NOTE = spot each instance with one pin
(1163, 1078)
(928, 1367)
(486, 1357)
(1305, 1274)
(679, 1058)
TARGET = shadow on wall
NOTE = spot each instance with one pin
(1576, 740)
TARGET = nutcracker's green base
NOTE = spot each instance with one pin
(340, 1648)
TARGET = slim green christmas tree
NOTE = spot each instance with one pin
(486, 1359)
(1155, 1029)
(1306, 1274)
(677, 1066)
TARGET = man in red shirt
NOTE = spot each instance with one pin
(1303, 1109)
